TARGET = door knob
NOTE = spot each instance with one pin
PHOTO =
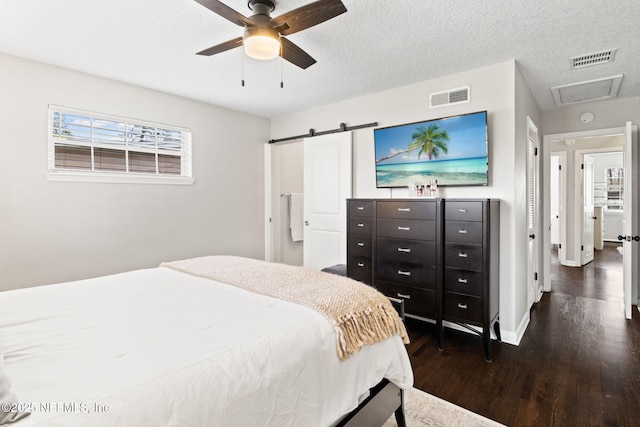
(620, 237)
(636, 238)
(532, 236)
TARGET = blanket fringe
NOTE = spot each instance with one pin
(354, 331)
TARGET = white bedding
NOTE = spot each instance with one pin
(158, 347)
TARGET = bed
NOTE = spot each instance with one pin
(170, 347)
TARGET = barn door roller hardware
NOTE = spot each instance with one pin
(312, 132)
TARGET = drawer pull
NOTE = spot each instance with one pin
(404, 209)
(404, 296)
(404, 273)
(361, 244)
(406, 250)
(461, 280)
(360, 208)
(361, 264)
(360, 224)
(463, 210)
(462, 231)
(404, 228)
(462, 255)
(462, 306)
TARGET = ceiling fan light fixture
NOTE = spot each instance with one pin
(261, 43)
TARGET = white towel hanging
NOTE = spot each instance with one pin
(296, 214)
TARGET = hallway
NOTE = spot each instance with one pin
(600, 279)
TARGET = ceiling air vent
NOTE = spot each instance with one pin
(593, 59)
(449, 97)
(591, 90)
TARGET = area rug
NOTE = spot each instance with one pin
(422, 409)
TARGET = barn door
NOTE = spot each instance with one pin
(327, 186)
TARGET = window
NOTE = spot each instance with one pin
(614, 179)
(96, 147)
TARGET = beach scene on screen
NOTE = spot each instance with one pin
(451, 150)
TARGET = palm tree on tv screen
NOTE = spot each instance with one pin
(431, 141)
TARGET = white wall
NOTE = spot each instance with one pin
(493, 89)
(525, 106)
(58, 231)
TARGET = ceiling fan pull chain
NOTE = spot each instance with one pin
(242, 69)
(281, 66)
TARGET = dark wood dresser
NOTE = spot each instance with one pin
(360, 232)
(405, 263)
(441, 256)
(471, 266)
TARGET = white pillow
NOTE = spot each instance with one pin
(6, 397)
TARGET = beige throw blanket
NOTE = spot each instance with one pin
(360, 314)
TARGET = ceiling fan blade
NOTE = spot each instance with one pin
(231, 44)
(227, 12)
(307, 16)
(292, 53)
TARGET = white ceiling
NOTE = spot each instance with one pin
(376, 45)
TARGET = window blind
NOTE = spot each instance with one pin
(100, 143)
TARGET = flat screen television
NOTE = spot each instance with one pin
(452, 150)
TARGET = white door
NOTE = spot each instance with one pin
(586, 253)
(562, 211)
(554, 200)
(627, 220)
(327, 186)
(533, 291)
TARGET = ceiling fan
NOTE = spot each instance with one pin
(263, 36)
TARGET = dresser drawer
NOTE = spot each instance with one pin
(463, 232)
(416, 251)
(361, 225)
(421, 302)
(463, 211)
(468, 257)
(462, 308)
(360, 245)
(360, 268)
(407, 209)
(361, 208)
(406, 228)
(463, 281)
(423, 276)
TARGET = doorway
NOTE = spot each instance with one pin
(564, 245)
(319, 170)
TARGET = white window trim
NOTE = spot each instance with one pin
(70, 175)
(117, 178)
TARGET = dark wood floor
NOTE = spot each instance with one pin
(578, 363)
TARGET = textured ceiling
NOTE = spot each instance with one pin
(376, 45)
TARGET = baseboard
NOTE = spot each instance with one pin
(424, 319)
(507, 336)
(515, 337)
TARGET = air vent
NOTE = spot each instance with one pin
(449, 97)
(593, 59)
(591, 90)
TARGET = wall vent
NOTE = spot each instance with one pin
(593, 59)
(449, 97)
